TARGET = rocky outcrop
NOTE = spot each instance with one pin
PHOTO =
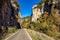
(8, 12)
(36, 13)
(44, 6)
(15, 15)
(20, 18)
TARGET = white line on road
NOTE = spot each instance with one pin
(17, 32)
(28, 34)
(12, 35)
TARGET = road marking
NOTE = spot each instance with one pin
(12, 35)
(17, 32)
(28, 34)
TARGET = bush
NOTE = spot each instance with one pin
(11, 29)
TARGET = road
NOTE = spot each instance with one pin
(20, 35)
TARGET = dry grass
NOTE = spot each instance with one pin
(39, 36)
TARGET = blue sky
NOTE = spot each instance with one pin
(26, 6)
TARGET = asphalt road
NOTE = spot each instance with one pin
(20, 35)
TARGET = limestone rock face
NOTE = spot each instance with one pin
(8, 11)
(19, 18)
(36, 13)
(55, 1)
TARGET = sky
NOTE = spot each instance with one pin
(26, 6)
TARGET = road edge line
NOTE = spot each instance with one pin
(28, 34)
(12, 35)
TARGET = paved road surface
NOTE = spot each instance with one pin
(20, 35)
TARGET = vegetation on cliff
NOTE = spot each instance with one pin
(47, 23)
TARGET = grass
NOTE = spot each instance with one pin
(33, 34)
(10, 31)
(39, 36)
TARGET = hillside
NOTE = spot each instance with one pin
(39, 36)
(48, 24)
(26, 22)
